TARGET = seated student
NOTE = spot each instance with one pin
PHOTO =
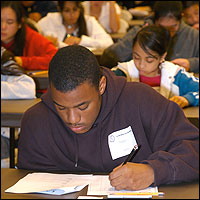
(71, 26)
(14, 85)
(182, 51)
(93, 119)
(191, 13)
(32, 50)
(149, 66)
(35, 10)
(106, 12)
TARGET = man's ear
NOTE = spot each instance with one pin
(102, 85)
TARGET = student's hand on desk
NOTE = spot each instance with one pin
(196, 26)
(181, 101)
(132, 176)
(182, 62)
(18, 60)
(71, 40)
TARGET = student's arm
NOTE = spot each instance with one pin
(114, 17)
(190, 64)
(38, 52)
(173, 140)
(188, 87)
(97, 36)
(121, 51)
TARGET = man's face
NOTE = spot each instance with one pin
(80, 107)
(171, 24)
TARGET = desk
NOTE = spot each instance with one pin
(192, 113)
(117, 36)
(135, 22)
(41, 80)
(10, 176)
(11, 114)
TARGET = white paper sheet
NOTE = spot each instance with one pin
(58, 184)
(100, 185)
(49, 183)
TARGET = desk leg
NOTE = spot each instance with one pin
(12, 147)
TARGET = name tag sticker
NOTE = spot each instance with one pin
(121, 142)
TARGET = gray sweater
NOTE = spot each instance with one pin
(186, 46)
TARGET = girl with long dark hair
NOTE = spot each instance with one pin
(32, 50)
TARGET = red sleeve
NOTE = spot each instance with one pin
(38, 51)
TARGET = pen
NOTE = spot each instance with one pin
(141, 193)
(132, 154)
(38, 73)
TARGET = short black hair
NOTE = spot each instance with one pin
(72, 66)
(152, 37)
(168, 9)
(187, 4)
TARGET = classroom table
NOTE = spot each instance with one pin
(12, 111)
(41, 79)
(117, 36)
(41, 76)
(10, 176)
(192, 113)
(135, 22)
(11, 114)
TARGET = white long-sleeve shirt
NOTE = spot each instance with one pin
(97, 36)
(104, 17)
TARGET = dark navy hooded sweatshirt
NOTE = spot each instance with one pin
(170, 143)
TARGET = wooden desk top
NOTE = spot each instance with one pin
(10, 176)
(116, 36)
(135, 22)
(191, 112)
(12, 110)
(40, 78)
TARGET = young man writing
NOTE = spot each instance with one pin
(89, 121)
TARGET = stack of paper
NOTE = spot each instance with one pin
(49, 183)
(59, 184)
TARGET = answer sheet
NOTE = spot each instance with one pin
(49, 183)
(59, 184)
(100, 185)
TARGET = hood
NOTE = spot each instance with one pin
(114, 88)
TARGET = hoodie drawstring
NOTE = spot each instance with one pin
(76, 153)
